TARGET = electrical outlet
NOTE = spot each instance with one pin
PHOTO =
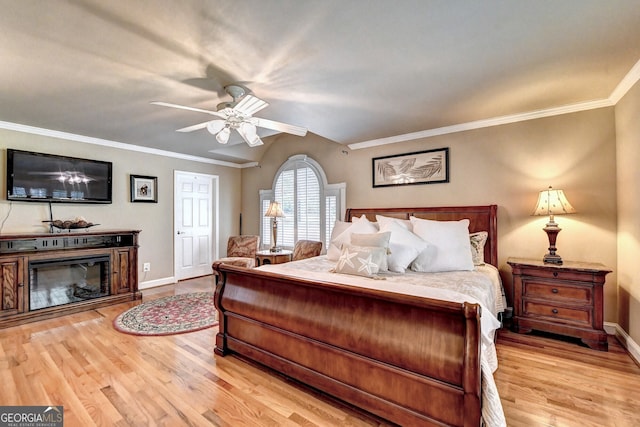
(146, 266)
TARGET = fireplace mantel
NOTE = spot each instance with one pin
(20, 252)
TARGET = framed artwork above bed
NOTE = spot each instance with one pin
(421, 167)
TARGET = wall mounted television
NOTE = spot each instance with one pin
(40, 177)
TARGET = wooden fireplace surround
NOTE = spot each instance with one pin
(17, 250)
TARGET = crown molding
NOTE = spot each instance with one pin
(484, 123)
(626, 84)
(115, 144)
(621, 89)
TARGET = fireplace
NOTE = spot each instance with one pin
(46, 275)
(60, 281)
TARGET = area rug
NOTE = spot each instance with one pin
(176, 314)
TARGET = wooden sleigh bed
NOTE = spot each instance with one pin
(363, 346)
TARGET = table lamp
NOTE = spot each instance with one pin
(275, 212)
(552, 202)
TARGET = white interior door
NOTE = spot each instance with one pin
(195, 224)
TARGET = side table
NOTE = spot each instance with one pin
(268, 257)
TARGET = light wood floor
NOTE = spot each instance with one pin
(106, 378)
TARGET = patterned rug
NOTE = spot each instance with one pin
(176, 314)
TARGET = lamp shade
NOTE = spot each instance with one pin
(215, 126)
(223, 135)
(248, 132)
(553, 202)
(274, 211)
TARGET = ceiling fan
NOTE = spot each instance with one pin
(238, 115)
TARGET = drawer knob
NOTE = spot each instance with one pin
(554, 311)
(555, 274)
(554, 290)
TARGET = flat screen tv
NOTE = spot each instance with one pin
(39, 177)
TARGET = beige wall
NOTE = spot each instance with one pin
(504, 165)
(628, 184)
(155, 220)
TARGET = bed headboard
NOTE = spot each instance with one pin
(481, 218)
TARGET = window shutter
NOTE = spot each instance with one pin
(308, 204)
(310, 207)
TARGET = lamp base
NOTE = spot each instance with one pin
(552, 259)
(275, 249)
(552, 231)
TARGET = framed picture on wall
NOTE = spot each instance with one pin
(422, 167)
(144, 189)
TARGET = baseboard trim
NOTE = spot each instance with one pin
(157, 282)
(627, 342)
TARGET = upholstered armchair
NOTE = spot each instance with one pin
(306, 249)
(241, 251)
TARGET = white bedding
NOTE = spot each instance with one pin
(481, 286)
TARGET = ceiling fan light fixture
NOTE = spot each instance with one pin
(215, 126)
(248, 132)
(223, 135)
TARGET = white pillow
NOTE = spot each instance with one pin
(364, 218)
(405, 246)
(360, 261)
(361, 226)
(339, 227)
(451, 240)
(384, 220)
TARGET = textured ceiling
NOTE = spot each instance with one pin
(351, 71)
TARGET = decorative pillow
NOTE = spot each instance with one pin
(405, 246)
(360, 261)
(452, 245)
(477, 241)
(378, 240)
(361, 226)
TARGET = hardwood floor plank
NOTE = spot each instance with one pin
(552, 381)
(103, 377)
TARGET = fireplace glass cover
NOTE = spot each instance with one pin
(56, 282)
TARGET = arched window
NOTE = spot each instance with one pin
(311, 205)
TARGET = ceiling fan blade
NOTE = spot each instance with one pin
(280, 127)
(249, 105)
(193, 127)
(184, 107)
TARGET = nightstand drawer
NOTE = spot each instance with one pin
(564, 314)
(557, 274)
(557, 292)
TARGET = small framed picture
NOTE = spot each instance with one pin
(423, 167)
(144, 189)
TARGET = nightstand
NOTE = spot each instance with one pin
(268, 257)
(562, 299)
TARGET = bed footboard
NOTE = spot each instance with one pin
(411, 360)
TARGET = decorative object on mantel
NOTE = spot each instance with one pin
(275, 212)
(77, 223)
(175, 314)
(552, 202)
